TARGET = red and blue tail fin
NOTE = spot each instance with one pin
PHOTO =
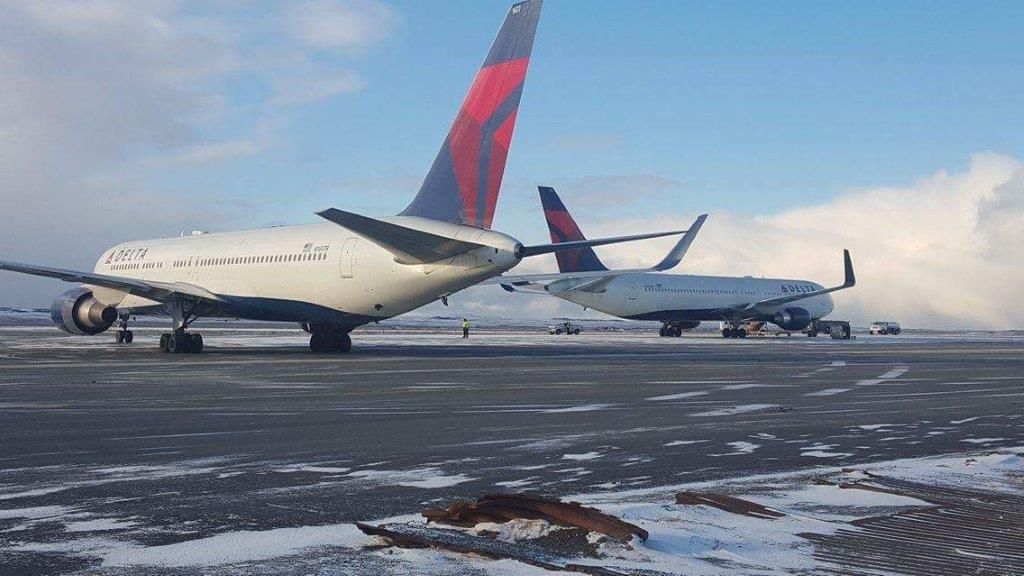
(463, 183)
(564, 229)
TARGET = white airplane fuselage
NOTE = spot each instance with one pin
(689, 298)
(317, 273)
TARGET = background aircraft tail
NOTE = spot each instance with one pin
(463, 183)
(564, 229)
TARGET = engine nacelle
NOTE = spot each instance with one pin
(78, 312)
(792, 319)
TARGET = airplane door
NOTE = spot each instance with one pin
(348, 256)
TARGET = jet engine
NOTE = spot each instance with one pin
(78, 312)
(792, 319)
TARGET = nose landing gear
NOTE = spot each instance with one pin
(330, 342)
(123, 334)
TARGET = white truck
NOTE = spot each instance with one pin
(883, 327)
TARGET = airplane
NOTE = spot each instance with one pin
(351, 270)
(678, 301)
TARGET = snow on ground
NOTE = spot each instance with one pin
(415, 478)
(584, 456)
(692, 540)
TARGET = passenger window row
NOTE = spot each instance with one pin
(695, 291)
(266, 259)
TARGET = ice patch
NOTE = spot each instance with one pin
(741, 386)
(736, 410)
(415, 478)
(517, 483)
(981, 440)
(683, 442)
(314, 469)
(36, 512)
(234, 547)
(964, 421)
(828, 392)
(739, 448)
(583, 456)
(31, 493)
(584, 408)
(679, 396)
(98, 525)
(873, 427)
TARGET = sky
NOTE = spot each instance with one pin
(893, 129)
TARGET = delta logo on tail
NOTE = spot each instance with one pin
(465, 178)
(563, 228)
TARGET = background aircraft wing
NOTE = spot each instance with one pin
(849, 281)
(158, 291)
(599, 279)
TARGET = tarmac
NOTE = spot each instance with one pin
(259, 434)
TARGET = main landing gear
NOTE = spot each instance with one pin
(733, 330)
(123, 334)
(669, 330)
(178, 341)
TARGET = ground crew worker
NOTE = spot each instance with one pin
(465, 328)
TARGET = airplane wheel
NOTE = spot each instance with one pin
(175, 343)
(316, 343)
(661, 332)
(344, 343)
(741, 333)
(164, 339)
(129, 336)
(726, 333)
(677, 332)
(119, 337)
(195, 343)
(576, 332)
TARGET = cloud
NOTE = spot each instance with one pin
(945, 251)
(347, 24)
(308, 83)
(101, 97)
(614, 189)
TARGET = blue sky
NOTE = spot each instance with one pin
(133, 119)
(748, 107)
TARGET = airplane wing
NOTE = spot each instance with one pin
(159, 291)
(412, 246)
(598, 279)
(849, 281)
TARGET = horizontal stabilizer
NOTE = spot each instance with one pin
(410, 246)
(539, 249)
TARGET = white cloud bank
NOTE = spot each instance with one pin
(100, 99)
(946, 251)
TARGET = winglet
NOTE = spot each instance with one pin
(851, 279)
(527, 251)
(675, 256)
